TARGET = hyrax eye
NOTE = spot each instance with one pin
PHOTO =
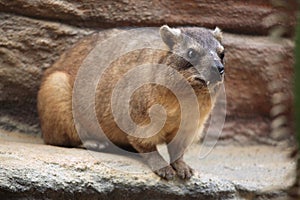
(222, 55)
(191, 53)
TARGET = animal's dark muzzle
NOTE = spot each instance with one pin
(219, 66)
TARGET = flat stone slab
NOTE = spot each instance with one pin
(31, 170)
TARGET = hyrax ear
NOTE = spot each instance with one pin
(218, 34)
(170, 36)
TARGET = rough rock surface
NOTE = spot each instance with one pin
(31, 170)
(258, 69)
(252, 65)
(27, 47)
(239, 16)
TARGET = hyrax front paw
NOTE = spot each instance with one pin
(167, 172)
(182, 169)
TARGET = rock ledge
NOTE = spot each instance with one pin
(37, 171)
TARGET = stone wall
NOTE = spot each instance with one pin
(238, 16)
(34, 33)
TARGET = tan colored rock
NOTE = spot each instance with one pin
(253, 66)
(27, 47)
(31, 170)
(239, 16)
(257, 70)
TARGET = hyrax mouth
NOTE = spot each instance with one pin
(198, 80)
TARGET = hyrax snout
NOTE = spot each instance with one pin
(195, 54)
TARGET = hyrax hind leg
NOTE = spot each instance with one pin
(55, 111)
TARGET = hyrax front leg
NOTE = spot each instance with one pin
(154, 160)
(176, 151)
(183, 170)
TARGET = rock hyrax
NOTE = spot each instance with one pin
(195, 53)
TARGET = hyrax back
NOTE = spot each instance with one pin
(55, 96)
(195, 53)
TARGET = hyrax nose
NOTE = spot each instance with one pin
(220, 67)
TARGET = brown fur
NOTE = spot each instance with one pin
(55, 96)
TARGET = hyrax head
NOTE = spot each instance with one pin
(197, 53)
